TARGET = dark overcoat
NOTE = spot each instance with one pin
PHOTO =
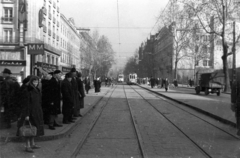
(81, 92)
(67, 97)
(55, 96)
(9, 96)
(31, 106)
(87, 84)
(75, 94)
(45, 99)
(235, 98)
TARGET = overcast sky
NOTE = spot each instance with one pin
(136, 19)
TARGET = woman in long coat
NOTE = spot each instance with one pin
(31, 110)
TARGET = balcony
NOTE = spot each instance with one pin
(54, 35)
(49, 32)
(44, 29)
(58, 9)
(54, 20)
(57, 23)
(44, 11)
(7, 20)
(50, 16)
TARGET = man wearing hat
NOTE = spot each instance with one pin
(9, 94)
(54, 99)
(68, 99)
(76, 93)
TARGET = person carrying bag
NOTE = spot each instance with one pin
(30, 123)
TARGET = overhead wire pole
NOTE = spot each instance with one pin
(118, 32)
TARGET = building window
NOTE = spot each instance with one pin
(48, 59)
(205, 62)
(8, 15)
(56, 61)
(53, 60)
(8, 35)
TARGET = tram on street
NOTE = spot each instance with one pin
(121, 78)
(132, 79)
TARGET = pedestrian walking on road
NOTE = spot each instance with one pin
(87, 84)
(54, 107)
(31, 110)
(235, 100)
(68, 99)
(152, 82)
(166, 84)
(81, 91)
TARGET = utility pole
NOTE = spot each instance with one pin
(234, 75)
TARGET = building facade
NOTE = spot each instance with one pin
(70, 41)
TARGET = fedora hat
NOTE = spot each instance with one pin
(6, 71)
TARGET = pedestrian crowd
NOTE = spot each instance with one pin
(37, 101)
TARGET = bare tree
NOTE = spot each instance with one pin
(215, 17)
(181, 24)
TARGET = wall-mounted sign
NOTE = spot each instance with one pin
(66, 69)
(48, 66)
(35, 48)
(12, 63)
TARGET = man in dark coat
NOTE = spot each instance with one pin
(166, 84)
(80, 90)
(235, 100)
(68, 99)
(9, 93)
(76, 94)
(45, 97)
(87, 84)
(152, 82)
(55, 100)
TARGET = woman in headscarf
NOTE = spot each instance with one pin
(31, 110)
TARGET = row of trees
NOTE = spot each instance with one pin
(97, 54)
(189, 19)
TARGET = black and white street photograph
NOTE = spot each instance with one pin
(119, 78)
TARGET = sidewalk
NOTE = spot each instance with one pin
(213, 106)
(90, 101)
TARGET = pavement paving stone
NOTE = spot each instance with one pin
(211, 139)
(113, 135)
(161, 138)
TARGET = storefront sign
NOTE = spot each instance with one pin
(48, 66)
(66, 69)
(36, 49)
(12, 63)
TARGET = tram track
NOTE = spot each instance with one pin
(160, 97)
(134, 121)
(91, 126)
(206, 154)
(172, 123)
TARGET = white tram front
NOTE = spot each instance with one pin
(132, 78)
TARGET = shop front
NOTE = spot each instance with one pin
(41, 68)
(64, 71)
(17, 68)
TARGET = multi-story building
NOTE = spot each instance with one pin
(70, 41)
(26, 27)
(11, 53)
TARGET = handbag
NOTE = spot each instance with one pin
(28, 130)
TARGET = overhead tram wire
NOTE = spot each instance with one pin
(160, 16)
(118, 30)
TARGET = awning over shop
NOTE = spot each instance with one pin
(46, 68)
